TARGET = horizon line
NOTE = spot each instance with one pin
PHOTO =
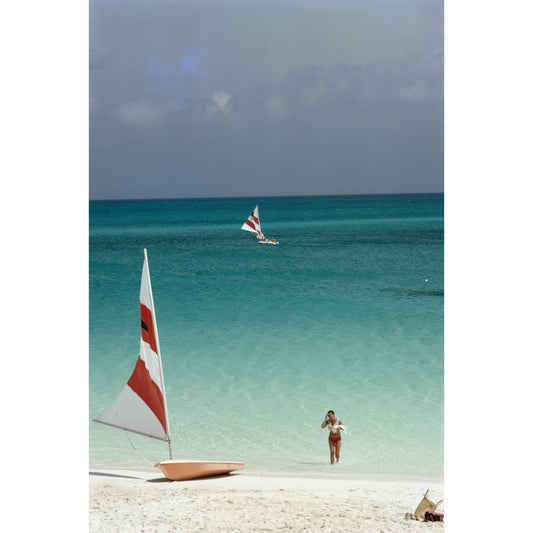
(136, 199)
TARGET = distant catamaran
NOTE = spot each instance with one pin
(141, 407)
(253, 225)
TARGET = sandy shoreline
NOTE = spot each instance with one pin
(128, 501)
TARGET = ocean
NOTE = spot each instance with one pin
(258, 342)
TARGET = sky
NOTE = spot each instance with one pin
(265, 98)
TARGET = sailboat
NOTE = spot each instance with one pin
(141, 407)
(253, 225)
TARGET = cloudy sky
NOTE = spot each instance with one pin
(265, 97)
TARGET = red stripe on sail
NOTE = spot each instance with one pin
(142, 384)
(251, 224)
(147, 328)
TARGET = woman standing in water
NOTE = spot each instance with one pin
(334, 440)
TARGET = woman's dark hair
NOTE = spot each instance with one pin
(332, 412)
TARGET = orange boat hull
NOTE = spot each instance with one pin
(176, 470)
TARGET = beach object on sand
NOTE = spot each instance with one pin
(426, 506)
(433, 517)
(253, 224)
(141, 407)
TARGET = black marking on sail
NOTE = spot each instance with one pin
(147, 328)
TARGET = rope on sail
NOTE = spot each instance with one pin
(133, 446)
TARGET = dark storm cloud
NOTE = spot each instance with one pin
(267, 100)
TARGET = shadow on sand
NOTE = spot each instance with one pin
(109, 474)
(157, 479)
(165, 480)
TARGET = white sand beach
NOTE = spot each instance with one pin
(130, 501)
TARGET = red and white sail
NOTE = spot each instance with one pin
(252, 223)
(141, 406)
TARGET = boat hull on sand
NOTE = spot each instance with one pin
(177, 470)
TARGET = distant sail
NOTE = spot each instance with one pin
(140, 407)
(252, 223)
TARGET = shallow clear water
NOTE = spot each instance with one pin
(259, 341)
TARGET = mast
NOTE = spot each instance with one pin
(159, 354)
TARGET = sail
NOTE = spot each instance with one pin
(141, 406)
(252, 223)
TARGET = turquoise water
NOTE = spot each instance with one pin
(259, 341)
